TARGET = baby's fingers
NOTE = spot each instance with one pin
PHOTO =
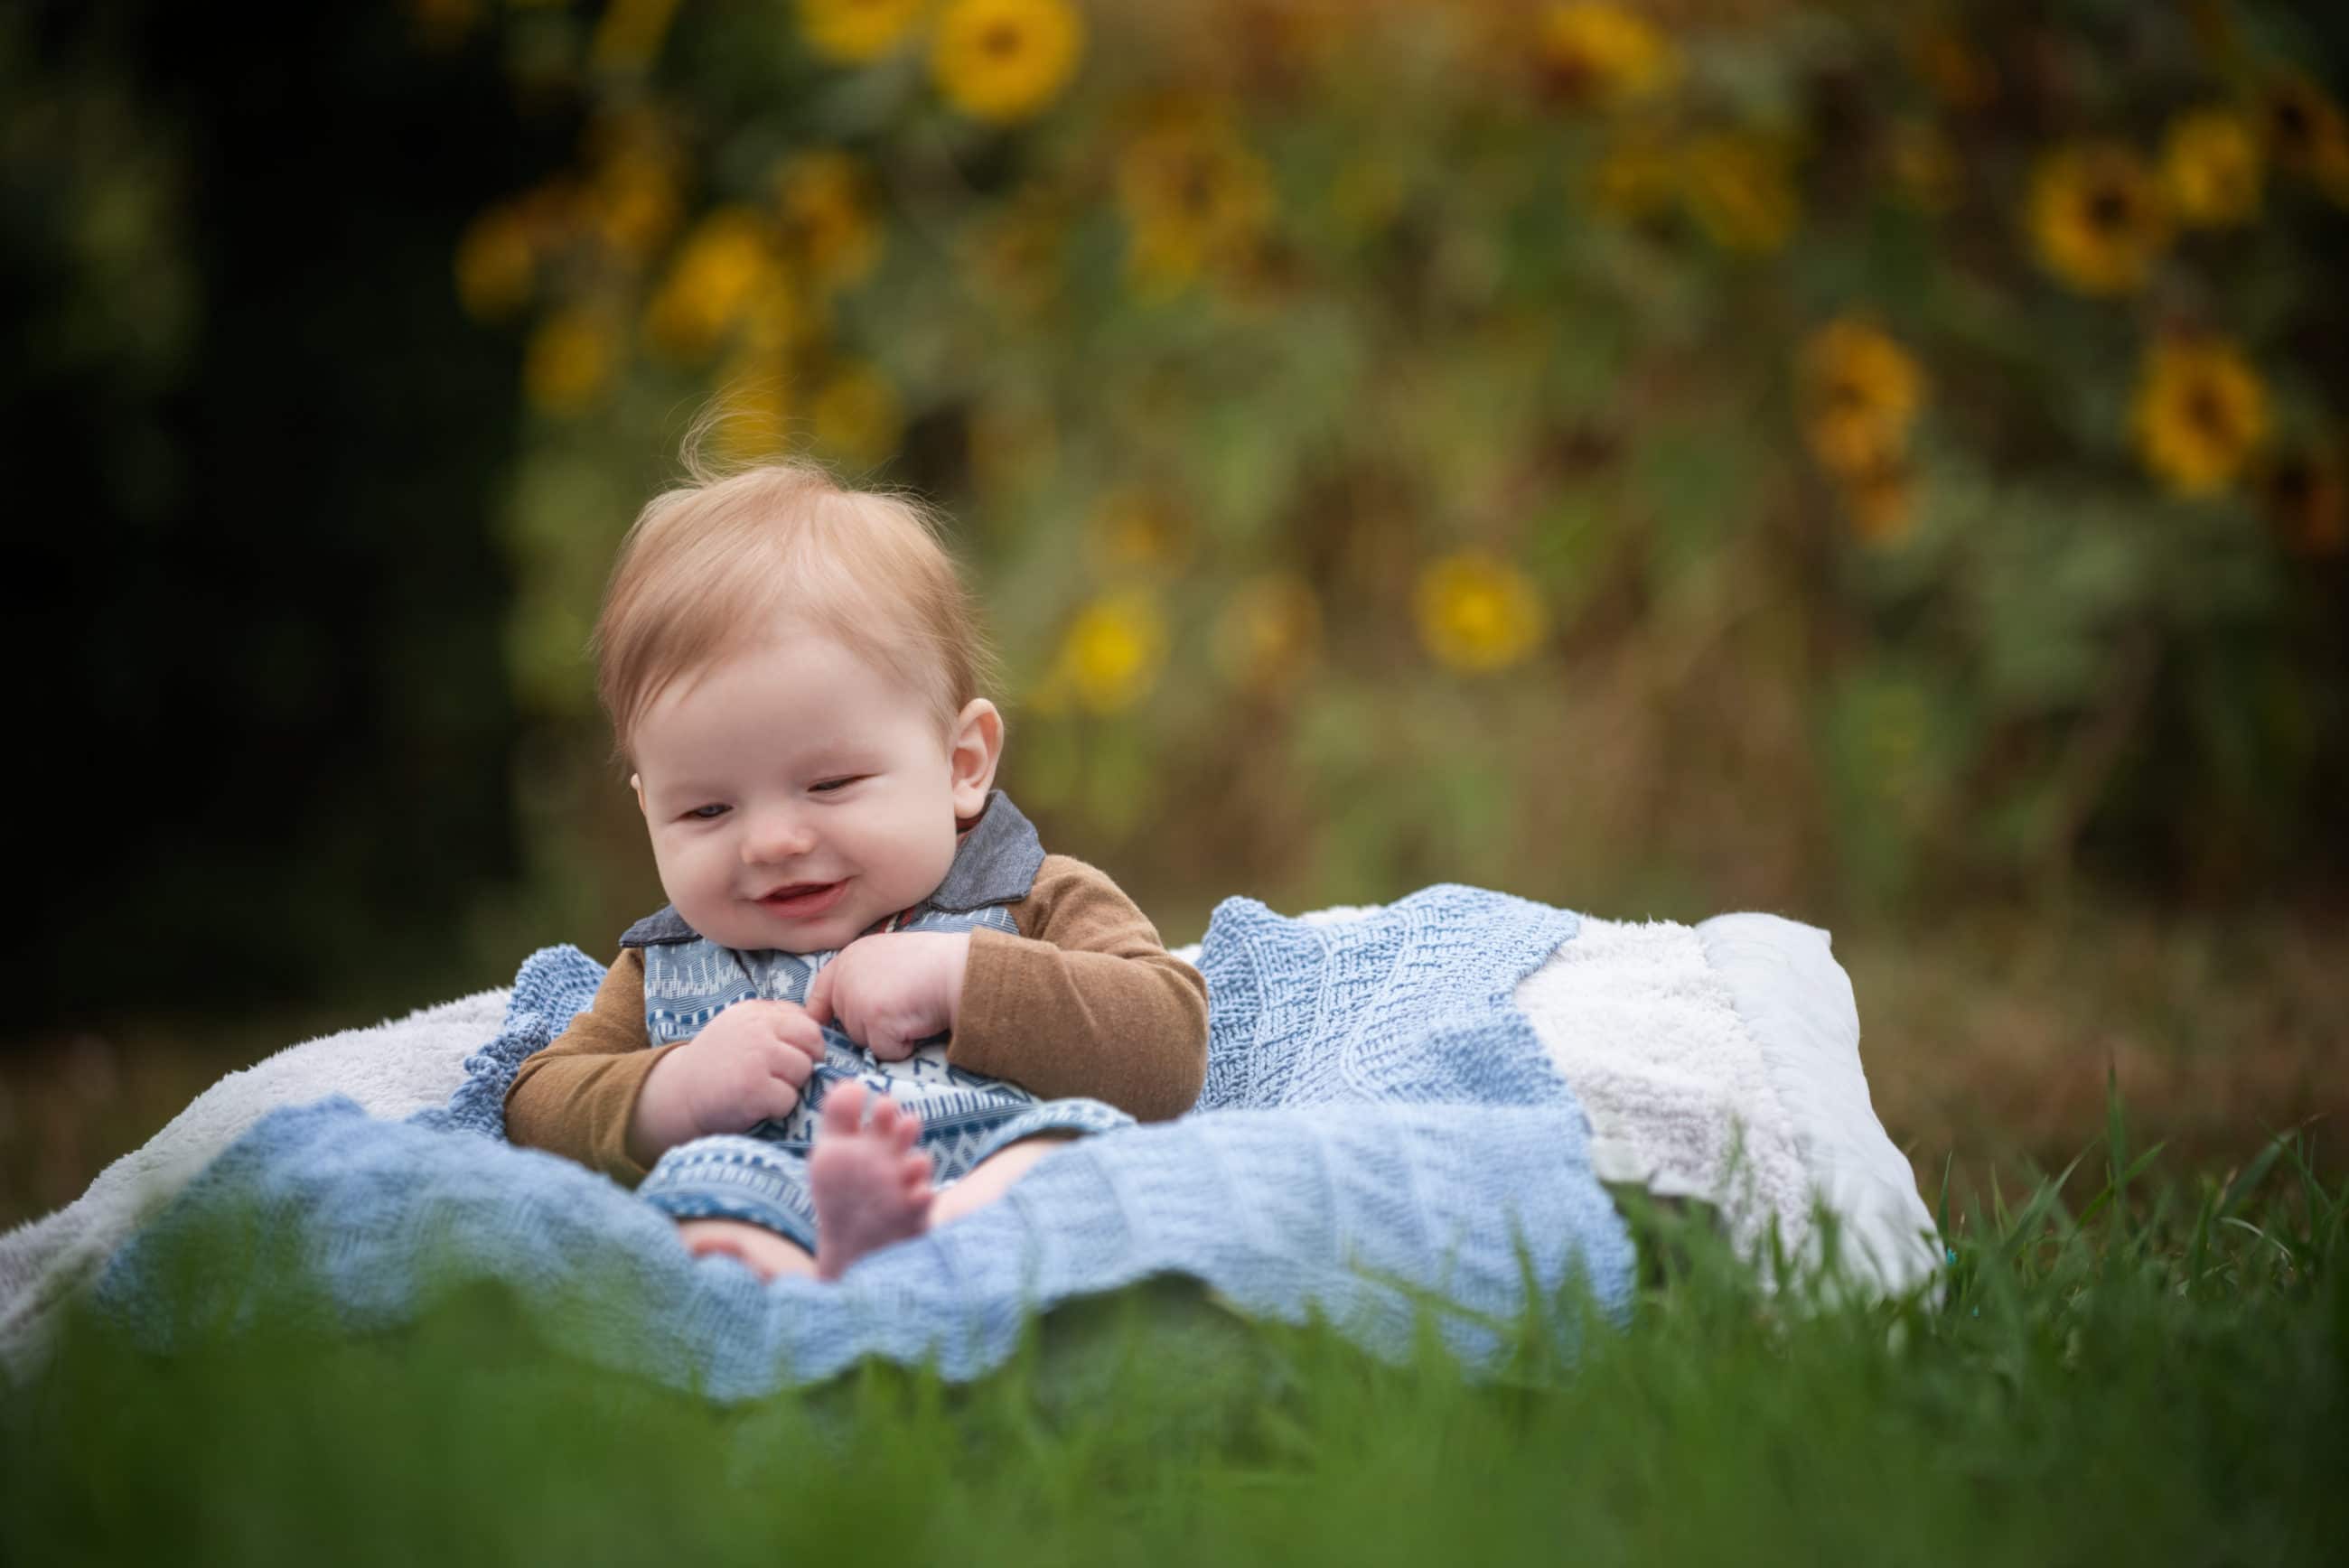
(785, 1060)
(889, 1041)
(801, 1033)
(819, 996)
(776, 1100)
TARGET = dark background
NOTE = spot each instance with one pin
(256, 604)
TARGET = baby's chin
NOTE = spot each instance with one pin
(750, 929)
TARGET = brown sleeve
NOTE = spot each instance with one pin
(1084, 1001)
(574, 1097)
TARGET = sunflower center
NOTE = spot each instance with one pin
(1194, 187)
(2110, 209)
(1002, 40)
(2292, 123)
(2207, 412)
(1569, 75)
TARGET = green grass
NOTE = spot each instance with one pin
(2160, 1373)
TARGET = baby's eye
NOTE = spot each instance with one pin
(828, 785)
(706, 813)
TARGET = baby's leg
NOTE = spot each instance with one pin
(1027, 1138)
(738, 1197)
(993, 1176)
(768, 1255)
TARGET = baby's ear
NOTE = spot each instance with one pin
(637, 782)
(976, 747)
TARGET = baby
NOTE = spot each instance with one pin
(873, 1001)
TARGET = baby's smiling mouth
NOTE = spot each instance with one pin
(800, 897)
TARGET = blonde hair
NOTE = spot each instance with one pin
(729, 559)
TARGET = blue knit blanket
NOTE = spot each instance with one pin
(1381, 1129)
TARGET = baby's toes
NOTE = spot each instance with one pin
(843, 1107)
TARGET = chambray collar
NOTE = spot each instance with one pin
(995, 862)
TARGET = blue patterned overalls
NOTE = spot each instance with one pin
(761, 1176)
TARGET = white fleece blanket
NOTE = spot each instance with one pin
(393, 1068)
(1719, 1061)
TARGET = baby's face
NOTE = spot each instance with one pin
(796, 794)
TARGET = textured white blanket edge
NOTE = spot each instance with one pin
(393, 1069)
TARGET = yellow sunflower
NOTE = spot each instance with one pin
(1860, 393)
(855, 31)
(826, 204)
(2098, 217)
(1881, 501)
(1004, 60)
(1739, 190)
(1194, 197)
(1590, 52)
(1270, 631)
(2210, 167)
(1111, 653)
(856, 415)
(2307, 133)
(2202, 413)
(569, 363)
(1477, 612)
(496, 265)
(629, 200)
(724, 264)
(773, 319)
(632, 203)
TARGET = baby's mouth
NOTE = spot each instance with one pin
(802, 898)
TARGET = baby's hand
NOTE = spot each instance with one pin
(894, 989)
(749, 1063)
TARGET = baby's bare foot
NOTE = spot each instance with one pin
(871, 1185)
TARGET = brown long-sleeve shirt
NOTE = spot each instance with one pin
(1084, 1001)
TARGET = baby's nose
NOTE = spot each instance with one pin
(776, 836)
